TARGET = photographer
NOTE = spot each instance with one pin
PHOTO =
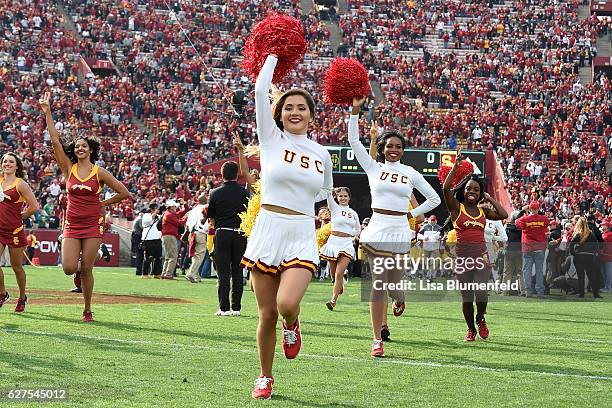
(137, 245)
(151, 243)
(555, 253)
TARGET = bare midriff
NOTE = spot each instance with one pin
(388, 212)
(280, 210)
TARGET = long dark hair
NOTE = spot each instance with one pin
(460, 189)
(19, 171)
(381, 141)
(277, 106)
(94, 146)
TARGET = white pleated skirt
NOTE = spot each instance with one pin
(336, 246)
(386, 235)
(281, 241)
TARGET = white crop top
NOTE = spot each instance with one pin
(296, 172)
(343, 218)
(391, 184)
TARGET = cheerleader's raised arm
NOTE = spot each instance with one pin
(267, 131)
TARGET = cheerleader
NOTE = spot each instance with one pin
(84, 221)
(14, 192)
(469, 220)
(282, 254)
(385, 333)
(339, 251)
(323, 232)
(388, 233)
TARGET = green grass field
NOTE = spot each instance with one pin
(548, 353)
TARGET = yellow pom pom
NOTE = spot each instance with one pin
(249, 216)
(411, 221)
(323, 234)
(210, 243)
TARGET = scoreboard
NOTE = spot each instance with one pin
(425, 161)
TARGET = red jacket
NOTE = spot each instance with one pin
(534, 227)
(606, 254)
(171, 223)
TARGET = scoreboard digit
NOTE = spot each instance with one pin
(426, 162)
(348, 162)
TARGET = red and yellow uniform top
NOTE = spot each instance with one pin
(12, 233)
(84, 218)
(470, 233)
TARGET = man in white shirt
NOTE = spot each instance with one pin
(55, 189)
(429, 239)
(197, 224)
(152, 238)
(537, 171)
(477, 134)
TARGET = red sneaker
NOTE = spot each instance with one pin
(21, 304)
(331, 304)
(263, 388)
(470, 335)
(4, 298)
(398, 308)
(88, 316)
(483, 330)
(292, 340)
(377, 349)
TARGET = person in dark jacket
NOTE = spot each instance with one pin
(137, 249)
(583, 247)
(599, 265)
(555, 255)
(225, 203)
(513, 258)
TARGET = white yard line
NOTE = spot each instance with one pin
(363, 326)
(316, 356)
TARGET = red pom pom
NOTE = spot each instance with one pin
(345, 79)
(277, 34)
(465, 169)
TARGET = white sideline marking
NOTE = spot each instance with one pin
(363, 326)
(556, 338)
(320, 356)
(568, 320)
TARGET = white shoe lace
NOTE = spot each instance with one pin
(290, 337)
(262, 383)
(376, 344)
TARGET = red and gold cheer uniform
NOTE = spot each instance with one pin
(12, 233)
(84, 218)
(470, 234)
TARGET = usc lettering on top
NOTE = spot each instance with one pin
(304, 161)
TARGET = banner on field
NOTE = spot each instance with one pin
(49, 249)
